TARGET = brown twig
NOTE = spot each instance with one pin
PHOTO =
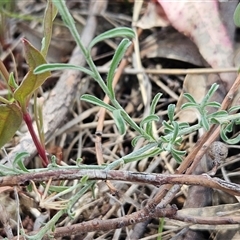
(128, 176)
(207, 220)
(109, 224)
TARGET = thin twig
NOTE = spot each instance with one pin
(165, 71)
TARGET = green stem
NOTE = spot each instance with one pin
(67, 18)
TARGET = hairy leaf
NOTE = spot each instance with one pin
(149, 118)
(96, 101)
(171, 109)
(119, 121)
(61, 66)
(189, 97)
(121, 49)
(154, 103)
(18, 161)
(116, 32)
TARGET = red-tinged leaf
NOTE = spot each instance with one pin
(201, 22)
(10, 121)
(31, 81)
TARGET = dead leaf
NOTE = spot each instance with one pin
(200, 22)
(168, 43)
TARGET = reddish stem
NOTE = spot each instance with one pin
(40, 148)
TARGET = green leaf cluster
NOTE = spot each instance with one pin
(172, 138)
(202, 107)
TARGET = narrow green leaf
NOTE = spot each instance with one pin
(209, 94)
(179, 152)
(119, 121)
(233, 109)
(175, 131)
(149, 124)
(131, 123)
(5, 171)
(149, 129)
(204, 122)
(148, 119)
(236, 16)
(167, 126)
(61, 66)
(177, 155)
(11, 81)
(189, 105)
(219, 114)
(216, 121)
(170, 110)
(183, 125)
(84, 179)
(10, 121)
(189, 97)
(18, 161)
(69, 22)
(135, 140)
(121, 49)
(227, 129)
(148, 154)
(113, 33)
(154, 103)
(49, 16)
(57, 189)
(31, 81)
(164, 139)
(213, 104)
(96, 101)
(178, 141)
(160, 228)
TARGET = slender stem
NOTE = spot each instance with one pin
(69, 22)
(40, 148)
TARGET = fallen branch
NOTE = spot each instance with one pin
(127, 176)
